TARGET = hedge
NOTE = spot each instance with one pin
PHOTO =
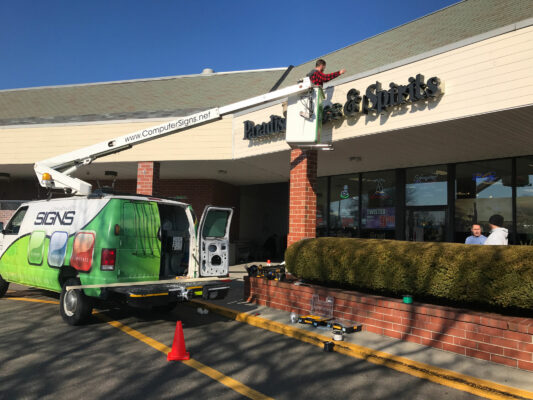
(499, 276)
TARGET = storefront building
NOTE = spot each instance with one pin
(429, 203)
(431, 129)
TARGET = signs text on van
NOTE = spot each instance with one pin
(55, 217)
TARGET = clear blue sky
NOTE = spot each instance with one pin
(55, 42)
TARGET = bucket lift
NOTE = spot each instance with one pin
(304, 122)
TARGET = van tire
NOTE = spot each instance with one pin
(75, 307)
(4, 285)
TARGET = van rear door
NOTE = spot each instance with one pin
(213, 237)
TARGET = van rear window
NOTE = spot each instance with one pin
(57, 249)
(82, 251)
(36, 247)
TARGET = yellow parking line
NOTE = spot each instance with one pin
(32, 300)
(465, 383)
(212, 373)
(237, 386)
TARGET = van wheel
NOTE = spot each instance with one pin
(75, 307)
(4, 285)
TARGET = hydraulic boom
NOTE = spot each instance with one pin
(55, 172)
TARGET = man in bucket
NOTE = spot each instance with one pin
(317, 75)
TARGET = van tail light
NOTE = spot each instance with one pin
(108, 259)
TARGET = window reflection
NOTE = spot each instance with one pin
(426, 186)
(321, 206)
(378, 218)
(524, 200)
(344, 205)
(483, 189)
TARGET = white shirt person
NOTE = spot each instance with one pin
(498, 234)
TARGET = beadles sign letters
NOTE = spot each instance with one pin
(276, 125)
(376, 99)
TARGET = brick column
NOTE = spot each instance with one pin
(148, 178)
(302, 196)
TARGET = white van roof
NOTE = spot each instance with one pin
(100, 195)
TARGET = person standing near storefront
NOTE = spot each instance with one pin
(317, 75)
(476, 237)
(498, 234)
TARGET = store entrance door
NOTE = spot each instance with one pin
(426, 224)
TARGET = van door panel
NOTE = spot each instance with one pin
(138, 257)
(213, 237)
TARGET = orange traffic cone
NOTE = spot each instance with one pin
(178, 352)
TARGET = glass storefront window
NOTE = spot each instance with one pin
(483, 188)
(321, 206)
(426, 186)
(426, 225)
(344, 205)
(524, 200)
(378, 213)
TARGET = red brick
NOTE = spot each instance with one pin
(444, 338)
(513, 344)
(479, 337)
(503, 360)
(453, 348)
(526, 346)
(411, 338)
(495, 323)
(465, 343)
(525, 365)
(374, 329)
(521, 337)
(489, 348)
(519, 355)
(393, 333)
(491, 331)
(477, 354)
(392, 318)
(433, 343)
(422, 333)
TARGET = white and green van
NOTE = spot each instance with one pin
(143, 251)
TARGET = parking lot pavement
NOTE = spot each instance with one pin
(42, 357)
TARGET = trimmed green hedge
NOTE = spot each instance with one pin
(493, 275)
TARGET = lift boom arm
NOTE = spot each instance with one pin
(55, 172)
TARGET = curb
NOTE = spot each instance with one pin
(456, 380)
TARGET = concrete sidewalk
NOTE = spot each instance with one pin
(473, 367)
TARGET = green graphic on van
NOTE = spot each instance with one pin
(36, 247)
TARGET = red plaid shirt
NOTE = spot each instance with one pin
(318, 78)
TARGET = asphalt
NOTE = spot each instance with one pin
(42, 357)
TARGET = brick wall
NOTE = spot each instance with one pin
(197, 192)
(302, 203)
(148, 178)
(5, 215)
(492, 337)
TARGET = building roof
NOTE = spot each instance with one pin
(147, 98)
(175, 96)
(452, 24)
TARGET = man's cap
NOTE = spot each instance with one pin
(496, 219)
